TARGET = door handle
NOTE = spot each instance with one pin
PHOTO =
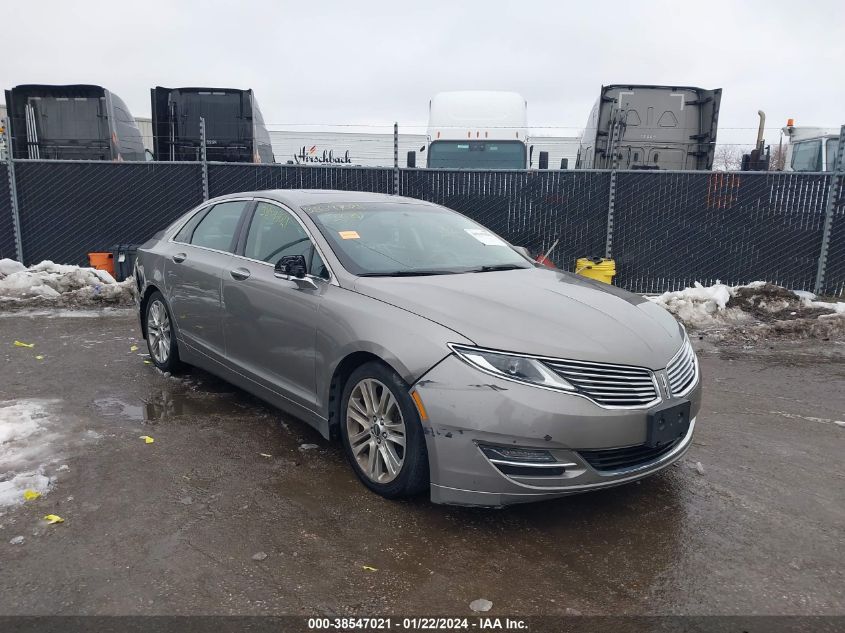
(240, 274)
(179, 258)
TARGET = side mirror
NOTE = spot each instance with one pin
(412, 159)
(564, 163)
(291, 266)
(543, 162)
(530, 155)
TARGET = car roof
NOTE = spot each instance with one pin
(305, 197)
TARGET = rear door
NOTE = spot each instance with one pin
(201, 254)
(270, 322)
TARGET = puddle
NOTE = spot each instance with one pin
(167, 404)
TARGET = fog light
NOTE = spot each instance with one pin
(513, 454)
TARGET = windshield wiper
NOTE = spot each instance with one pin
(408, 273)
(488, 269)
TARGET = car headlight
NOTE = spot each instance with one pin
(512, 367)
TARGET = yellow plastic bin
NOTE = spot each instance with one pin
(597, 268)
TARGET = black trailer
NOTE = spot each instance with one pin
(651, 127)
(234, 127)
(78, 122)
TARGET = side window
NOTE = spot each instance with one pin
(274, 233)
(807, 156)
(184, 234)
(217, 229)
(316, 266)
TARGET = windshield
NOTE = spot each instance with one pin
(393, 239)
(807, 156)
(477, 154)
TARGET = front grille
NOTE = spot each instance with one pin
(681, 370)
(609, 385)
(624, 458)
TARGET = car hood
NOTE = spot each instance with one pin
(539, 311)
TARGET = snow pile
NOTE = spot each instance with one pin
(56, 284)
(702, 306)
(758, 308)
(24, 446)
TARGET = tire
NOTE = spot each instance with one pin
(363, 437)
(161, 338)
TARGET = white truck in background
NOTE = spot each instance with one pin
(810, 148)
(478, 129)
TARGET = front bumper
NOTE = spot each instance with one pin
(467, 408)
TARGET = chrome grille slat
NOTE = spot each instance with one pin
(601, 372)
(607, 378)
(617, 390)
(684, 375)
(615, 385)
(681, 371)
(609, 385)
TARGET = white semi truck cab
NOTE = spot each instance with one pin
(478, 129)
(810, 148)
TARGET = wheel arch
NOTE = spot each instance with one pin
(145, 298)
(343, 370)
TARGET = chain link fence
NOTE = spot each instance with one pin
(68, 209)
(7, 225)
(559, 213)
(673, 229)
(666, 230)
(835, 268)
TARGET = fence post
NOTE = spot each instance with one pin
(396, 158)
(833, 200)
(611, 207)
(204, 160)
(13, 190)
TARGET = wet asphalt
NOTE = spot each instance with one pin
(172, 527)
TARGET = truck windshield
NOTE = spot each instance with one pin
(388, 239)
(807, 156)
(477, 155)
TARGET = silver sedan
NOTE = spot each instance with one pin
(442, 358)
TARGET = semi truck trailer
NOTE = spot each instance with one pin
(651, 127)
(77, 122)
(234, 128)
(478, 129)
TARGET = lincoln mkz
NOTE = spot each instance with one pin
(442, 357)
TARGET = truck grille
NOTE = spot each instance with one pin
(623, 458)
(681, 370)
(608, 385)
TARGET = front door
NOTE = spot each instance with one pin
(270, 323)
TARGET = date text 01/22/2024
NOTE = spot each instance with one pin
(416, 624)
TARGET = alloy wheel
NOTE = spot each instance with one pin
(158, 331)
(376, 430)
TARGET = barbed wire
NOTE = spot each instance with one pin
(403, 137)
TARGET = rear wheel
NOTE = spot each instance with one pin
(381, 432)
(161, 340)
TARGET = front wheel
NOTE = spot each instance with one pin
(161, 340)
(381, 432)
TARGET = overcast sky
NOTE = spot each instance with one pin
(329, 62)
